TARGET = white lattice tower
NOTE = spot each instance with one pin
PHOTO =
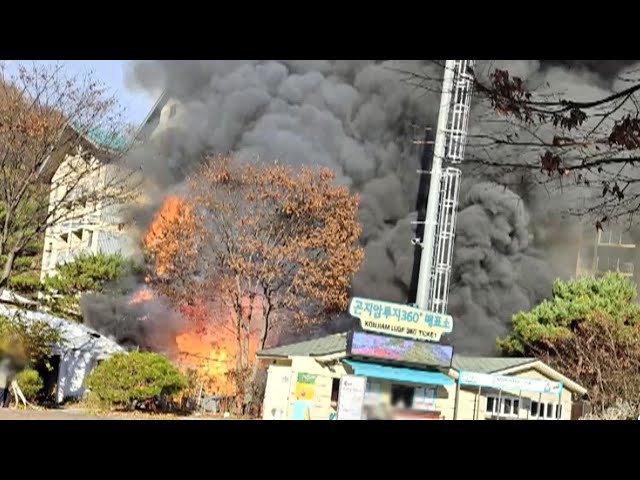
(442, 204)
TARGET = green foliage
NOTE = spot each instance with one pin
(573, 302)
(125, 381)
(88, 273)
(30, 383)
(25, 282)
(25, 275)
(27, 342)
(23, 263)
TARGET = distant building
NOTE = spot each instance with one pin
(88, 224)
(159, 117)
(600, 252)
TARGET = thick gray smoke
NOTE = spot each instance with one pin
(358, 117)
(150, 325)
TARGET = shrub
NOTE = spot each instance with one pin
(590, 331)
(27, 342)
(30, 383)
(85, 274)
(126, 381)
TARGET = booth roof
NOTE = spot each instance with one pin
(398, 374)
(488, 364)
(317, 347)
(336, 344)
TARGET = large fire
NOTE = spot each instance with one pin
(209, 343)
(173, 222)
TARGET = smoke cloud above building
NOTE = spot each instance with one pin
(361, 119)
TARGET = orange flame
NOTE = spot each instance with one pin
(208, 345)
(141, 296)
(162, 239)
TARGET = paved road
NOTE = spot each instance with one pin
(68, 414)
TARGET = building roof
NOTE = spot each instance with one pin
(489, 364)
(398, 374)
(317, 347)
(107, 140)
(75, 336)
(337, 345)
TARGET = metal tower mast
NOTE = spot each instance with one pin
(444, 187)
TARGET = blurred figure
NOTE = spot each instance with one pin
(5, 382)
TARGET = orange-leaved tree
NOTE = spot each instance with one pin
(285, 236)
(275, 245)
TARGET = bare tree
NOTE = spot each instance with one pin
(48, 119)
(523, 132)
(274, 245)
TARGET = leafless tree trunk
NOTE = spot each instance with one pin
(48, 119)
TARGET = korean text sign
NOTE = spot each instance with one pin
(400, 320)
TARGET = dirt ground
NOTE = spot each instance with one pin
(78, 414)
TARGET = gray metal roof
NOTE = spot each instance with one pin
(313, 348)
(337, 343)
(488, 364)
(75, 336)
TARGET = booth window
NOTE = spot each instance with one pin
(402, 395)
(545, 410)
(502, 407)
(373, 393)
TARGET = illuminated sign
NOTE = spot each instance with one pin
(364, 344)
(503, 382)
(400, 320)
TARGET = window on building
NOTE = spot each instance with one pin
(120, 227)
(545, 411)
(507, 406)
(502, 406)
(88, 237)
(401, 396)
(373, 393)
(490, 404)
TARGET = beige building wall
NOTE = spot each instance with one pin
(281, 395)
(325, 374)
(472, 402)
(276, 396)
(77, 229)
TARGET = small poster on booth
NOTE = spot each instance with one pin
(351, 397)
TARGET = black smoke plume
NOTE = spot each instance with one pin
(360, 118)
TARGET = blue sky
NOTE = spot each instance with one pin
(111, 72)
